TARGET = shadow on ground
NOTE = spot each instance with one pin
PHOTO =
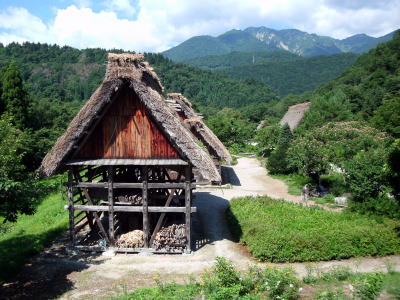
(212, 221)
(46, 275)
(229, 176)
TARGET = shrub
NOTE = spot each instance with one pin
(283, 232)
(368, 286)
(365, 174)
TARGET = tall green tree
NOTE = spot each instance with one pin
(387, 117)
(17, 187)
(277, 162)
(14, 95)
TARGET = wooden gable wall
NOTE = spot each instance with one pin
(127, 131)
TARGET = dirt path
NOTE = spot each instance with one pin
(56, 274)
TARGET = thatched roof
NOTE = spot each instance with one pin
(295, 115)
(128, 70)
(200, 129)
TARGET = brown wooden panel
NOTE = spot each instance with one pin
(127, 131)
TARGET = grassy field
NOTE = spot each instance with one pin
(31, 234)
(223, 281)
(277, 231)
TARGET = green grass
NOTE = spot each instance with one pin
(277, 231)
(295, 182)
(31, 234)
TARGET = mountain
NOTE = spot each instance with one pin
(254, 39)
(236, 59)
(283, 71)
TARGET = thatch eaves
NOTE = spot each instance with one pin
(201, 130)
(295, 115)
(128, 70)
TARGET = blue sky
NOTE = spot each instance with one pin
(156, 25)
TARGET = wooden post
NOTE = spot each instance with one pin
(146, 229)
(111, 204)
(188, 191)
(70, 195)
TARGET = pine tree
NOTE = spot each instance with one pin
(14, 96)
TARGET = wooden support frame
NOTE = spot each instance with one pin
(145, 205)
(188, 220)
(161, 218)
(111, 205)
(70, 196)
(150, 209)
(96, 216)
(165, 189)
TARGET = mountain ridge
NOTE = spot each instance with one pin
(267, 39)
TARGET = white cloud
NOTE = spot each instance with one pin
(21, 24)
(126, 7)
(160, 24)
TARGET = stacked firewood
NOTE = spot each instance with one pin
(171, 238)
(132, 239)
(132, 199)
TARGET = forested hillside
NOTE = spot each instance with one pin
(347, 140)
(284, 72)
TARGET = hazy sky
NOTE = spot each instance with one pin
(156, 25)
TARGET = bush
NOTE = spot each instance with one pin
(368, 286)
(283, 232)
(365, 174)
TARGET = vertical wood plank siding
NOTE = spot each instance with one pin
(127, 131)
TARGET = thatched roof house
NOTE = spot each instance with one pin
(127, 118)
(295, 115)
(194, 123)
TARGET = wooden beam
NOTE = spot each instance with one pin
(161, 218)
(150, 209)
(146, 229)
(125, 185)
(88, 215)
(125, 250)
(188, 192)
(111, 204)
(70, 196)
(96, 217)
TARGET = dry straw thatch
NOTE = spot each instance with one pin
(128, 70)
(295, 115)
(199, 128)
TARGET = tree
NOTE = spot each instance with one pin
(277, 162)
(393, 165)
(267, 139)
(17, 188)
(387, 117)
(14, 95)
(229, 125)
(333, 107)
(334, 143)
